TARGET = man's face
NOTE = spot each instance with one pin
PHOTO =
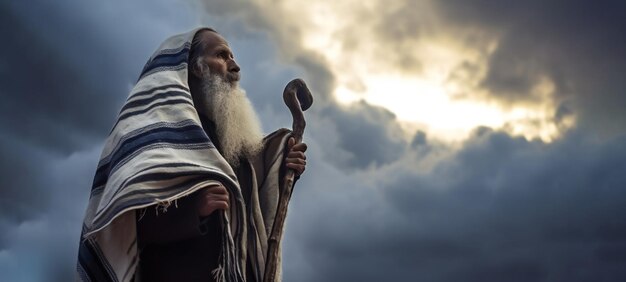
(218, 57)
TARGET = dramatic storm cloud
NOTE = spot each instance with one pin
(577, 44)
(449, 140)
(501, 209)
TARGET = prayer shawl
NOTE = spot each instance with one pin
(158, 152)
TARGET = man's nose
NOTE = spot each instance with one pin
(233, 67)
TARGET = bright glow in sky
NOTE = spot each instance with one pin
(416, 78)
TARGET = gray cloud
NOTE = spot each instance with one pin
(21, 169)
(44, 93)
(501, 209)
(370, 135)
(577, 44)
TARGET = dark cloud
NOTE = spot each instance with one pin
(53, 92)
(501, 209)
(22, 170)
(396, 27)
(370, 134)
(419, 139)
(577, 44)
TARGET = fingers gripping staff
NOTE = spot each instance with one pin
(298, 98)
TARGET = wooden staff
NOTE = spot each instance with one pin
(298, 98)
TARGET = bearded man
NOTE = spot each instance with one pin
(187, 186)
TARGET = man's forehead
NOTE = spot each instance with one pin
(213, 39)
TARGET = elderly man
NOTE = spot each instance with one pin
(187, 187)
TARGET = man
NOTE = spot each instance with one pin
(187, 187)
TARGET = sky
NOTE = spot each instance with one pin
(450, 140)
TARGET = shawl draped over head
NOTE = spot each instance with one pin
(158, 152)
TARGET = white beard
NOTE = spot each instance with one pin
(237, 125)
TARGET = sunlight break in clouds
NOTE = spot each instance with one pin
(421, 74)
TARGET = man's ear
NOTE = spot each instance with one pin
(197, 67)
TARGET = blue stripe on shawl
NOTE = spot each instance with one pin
(164, 103)
(196, 178)
(145, 101)
(131, 179)
(184, 135)
(156, 146)
(97, 189)
(153, 177)
(137, 131)
(166, 60)
(91, 263)
(147, 93)
(152, 90)
(149, 198)
(162, 176)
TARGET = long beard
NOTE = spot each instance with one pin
(237, 125)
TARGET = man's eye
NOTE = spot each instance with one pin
(223, 55)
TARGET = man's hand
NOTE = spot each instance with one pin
(296, 159)
(212, 198)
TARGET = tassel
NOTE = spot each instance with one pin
(218, 274)
(228, 269)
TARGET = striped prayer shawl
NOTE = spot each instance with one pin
(158, 152)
